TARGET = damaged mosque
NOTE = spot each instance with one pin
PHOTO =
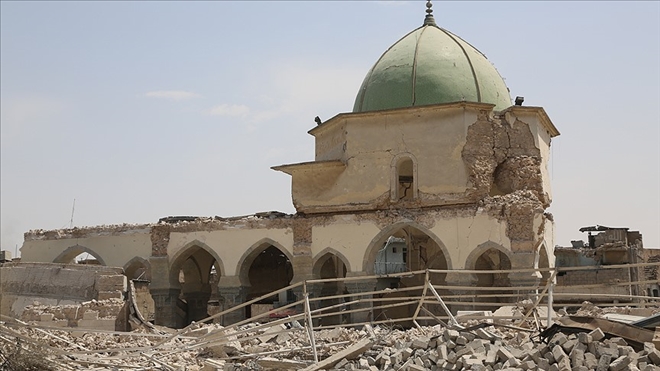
(456, 179)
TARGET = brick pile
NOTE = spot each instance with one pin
(278, 347)
(479, 351)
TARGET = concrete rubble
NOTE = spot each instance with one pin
(483, 346)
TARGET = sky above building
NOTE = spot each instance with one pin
(140, 110)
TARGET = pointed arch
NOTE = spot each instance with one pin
(377, 242)
(71, 252)
(471, 260)
(187, 251)
(244, 263)
(318, 261)
(403, 168)
(133, 265)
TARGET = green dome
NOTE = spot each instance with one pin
(430, 65)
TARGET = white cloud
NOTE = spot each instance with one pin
(232, 110)
(172, 94)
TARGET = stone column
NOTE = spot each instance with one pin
(231, 296)
(356, 287)
(524, 260)
(197, 305)
(165, 304)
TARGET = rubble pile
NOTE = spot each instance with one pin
(281, 347)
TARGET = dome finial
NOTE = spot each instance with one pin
(429, 20)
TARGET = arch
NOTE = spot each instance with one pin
(542, 260)
(396, 175)
(133, 265)
(318, 260)
(243, 269)
(471, 260)
(71, 252)
(187, 251)
(192, 274)
(379, 239)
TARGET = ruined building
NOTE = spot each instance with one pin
(610, 255)
(434, 154)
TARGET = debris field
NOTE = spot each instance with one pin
(472, 345)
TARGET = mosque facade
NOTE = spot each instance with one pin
(434, 168)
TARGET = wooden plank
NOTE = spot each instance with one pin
(348, 353)
(280, 364)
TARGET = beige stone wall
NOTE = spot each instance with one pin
(369, 142)
(230, 245)
(113, 245)
(347, 236)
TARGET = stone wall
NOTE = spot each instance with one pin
(52, 284)
(575, 281)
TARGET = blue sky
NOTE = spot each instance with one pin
(139, 110)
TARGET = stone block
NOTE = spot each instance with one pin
(491, 357)
(406, 353)
(442, 351)
(46, 317)
(654, 357)
(590, 361)
(421, 343)
(569, 345)
(564, 364)
(559, 339)
(341, 364)
(618, 341)
(620, 363)
(558, 353)
(503, 354)
(363, 363)
(528, 365)
(604, 362)
(577, 357)
(585, 338)
(602, 349)
(450, 335)
(597, 334)
(477, 346)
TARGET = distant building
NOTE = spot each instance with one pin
(608, 246)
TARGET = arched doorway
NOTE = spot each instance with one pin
(492, 260)
(196, 272)
(264, 269)
(330, 266)
(405, 247)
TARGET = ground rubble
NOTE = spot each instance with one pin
(280, 346)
